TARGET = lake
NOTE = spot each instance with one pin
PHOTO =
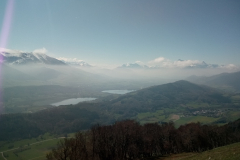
(72, 101)
(118, 91)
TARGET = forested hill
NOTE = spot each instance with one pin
(169, 95)
(177, 92)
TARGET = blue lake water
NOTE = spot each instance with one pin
(118, 91)
(72, 101)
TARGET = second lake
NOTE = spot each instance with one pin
(72, 101)
(118, 91)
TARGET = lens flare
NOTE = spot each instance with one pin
(6, 25)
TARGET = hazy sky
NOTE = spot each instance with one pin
(117, 32)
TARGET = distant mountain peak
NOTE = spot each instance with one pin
(203, 62)
(176, 64)
(180, 60)
(74, 62)
(133, 66)
(20, 58)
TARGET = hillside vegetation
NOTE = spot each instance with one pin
(128, 140)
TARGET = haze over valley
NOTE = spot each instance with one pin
(119, 80)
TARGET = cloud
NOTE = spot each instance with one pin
(17, 52)
(162, 62)
(157, 60)
(182, 64)
(230, 67)
(186, 63)
(139, 62)
(69, 59)
(10, 51)
(41, 51)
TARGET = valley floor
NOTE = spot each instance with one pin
(28, 149)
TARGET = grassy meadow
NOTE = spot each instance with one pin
(29, 149)
(229, 152)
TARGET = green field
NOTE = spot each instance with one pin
(6, 145)
(167, 115)
(236, 99)
(201, 119)
(34, 151)
(151, 117)
(233, 115)
(28, 149)
(198, 105)
(229, 152)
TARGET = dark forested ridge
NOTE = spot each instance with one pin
(28, 99)
(55, 120)
(128, 139)
(172, 94)
(177, 92)
(177, 97)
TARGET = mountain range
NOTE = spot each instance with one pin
(49, 70)
(134, 66)
(14, 57)
(76, 63)
(159, 66)
(20, 58)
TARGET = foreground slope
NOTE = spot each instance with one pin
(128, 139)
(229, 152)
(36, 148)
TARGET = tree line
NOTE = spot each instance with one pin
(128, 140)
